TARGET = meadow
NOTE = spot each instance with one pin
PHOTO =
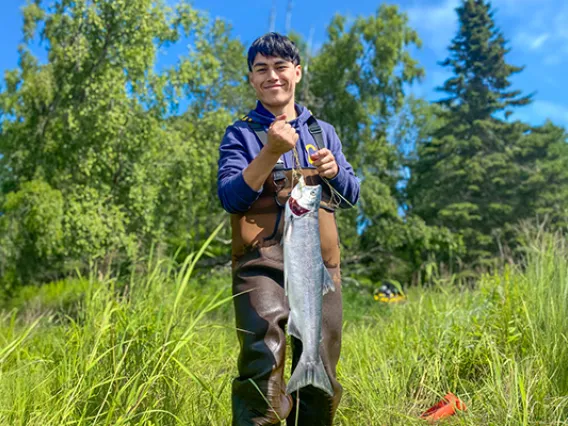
(160, 348)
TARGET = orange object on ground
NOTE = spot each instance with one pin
(446, 407)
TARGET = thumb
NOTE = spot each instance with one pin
(281, 117)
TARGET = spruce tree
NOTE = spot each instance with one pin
(481, 83)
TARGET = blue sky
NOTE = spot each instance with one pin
(536, 29)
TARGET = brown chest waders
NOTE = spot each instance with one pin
(261, 311)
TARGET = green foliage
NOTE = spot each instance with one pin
(542, 159)
(117, 149)
(31, 231)
(60, 297)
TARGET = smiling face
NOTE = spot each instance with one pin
(274, 80)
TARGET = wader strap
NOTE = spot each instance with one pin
(259, 130)
(316, 132)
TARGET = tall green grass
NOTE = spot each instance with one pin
(161, 350)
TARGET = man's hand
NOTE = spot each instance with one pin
(324, 161)
(281, 136)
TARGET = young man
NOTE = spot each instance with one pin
(254, 180)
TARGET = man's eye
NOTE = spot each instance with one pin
(282, 67)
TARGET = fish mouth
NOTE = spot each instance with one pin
(296, 208)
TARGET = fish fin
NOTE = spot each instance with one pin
(287, 229)
(286, 238)
(309, 373)
(284, 232)
(328, 284)
(292, 329)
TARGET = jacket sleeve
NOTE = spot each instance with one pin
(345, 182)
(234, 193)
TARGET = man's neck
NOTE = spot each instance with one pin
(289, 110)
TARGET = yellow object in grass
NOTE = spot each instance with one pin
(383, 298)
(389, 292)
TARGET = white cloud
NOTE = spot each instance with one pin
(436, 24)
(546, 30)
(539, 41)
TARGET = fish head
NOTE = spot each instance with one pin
(305, 198)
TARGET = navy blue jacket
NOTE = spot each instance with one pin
(240, 146)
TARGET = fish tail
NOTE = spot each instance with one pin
(309, 373)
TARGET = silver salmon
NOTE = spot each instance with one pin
(306, 280)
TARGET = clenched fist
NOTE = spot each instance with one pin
(281, 136)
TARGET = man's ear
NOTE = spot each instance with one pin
(298, 73)
(249, 76)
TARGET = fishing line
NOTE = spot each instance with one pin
(296, 174)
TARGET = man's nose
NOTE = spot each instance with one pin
(272, 74)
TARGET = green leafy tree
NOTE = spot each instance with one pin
(121, 141)
(32, 230)
(357, 84)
